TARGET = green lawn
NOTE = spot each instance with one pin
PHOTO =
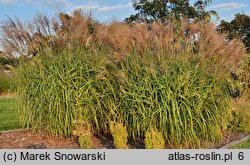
(8, 115)
(242, 145)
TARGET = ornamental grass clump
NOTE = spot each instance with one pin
(53, 89)
(144, 76)
(177, 97)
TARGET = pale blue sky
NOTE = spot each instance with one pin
(103, 10)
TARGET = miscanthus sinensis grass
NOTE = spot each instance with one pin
(178, 97)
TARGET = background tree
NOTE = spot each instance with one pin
(239, 27)
(7, 62)
(163, 10)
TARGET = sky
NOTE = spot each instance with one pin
(102, 10)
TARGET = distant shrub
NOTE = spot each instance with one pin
(238, 88)
(238, 83)
(239, 122)
(239, 116)
(154, 140)
(7, 82)
(120, 135)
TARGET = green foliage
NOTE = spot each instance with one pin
(53, 89)
(154, 140)
(179, 99)
(9, 118)
(166, 9)
(175, 95)
(120, 135)
(239, 27)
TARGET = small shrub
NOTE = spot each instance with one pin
(154, 140)
(239, 121)
(83, 131)
(120, 135)
(85, 141)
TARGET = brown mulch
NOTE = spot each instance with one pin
(230, 137)
(28, 140)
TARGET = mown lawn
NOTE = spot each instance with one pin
(9, 119)
(242, 145)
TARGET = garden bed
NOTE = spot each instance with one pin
(26, 139)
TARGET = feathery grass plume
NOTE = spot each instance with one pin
(154, 140)
(120, 135)
(215, 47)
(45, 34)
(52, 34)
(115, 35)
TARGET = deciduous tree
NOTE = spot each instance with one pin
(163, 10)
